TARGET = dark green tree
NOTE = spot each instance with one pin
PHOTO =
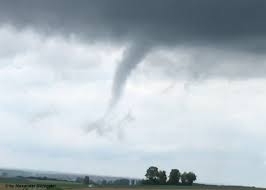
(184, 179)
(86, 180)
(152, 175)
(188, 178)
(162, 178)
(191, 177)
(174, 177)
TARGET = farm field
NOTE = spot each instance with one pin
(61, 185)
(80, 187)
(58, 184)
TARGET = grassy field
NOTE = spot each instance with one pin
(78, 186)
(58, 184)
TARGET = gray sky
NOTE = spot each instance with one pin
(185, 81)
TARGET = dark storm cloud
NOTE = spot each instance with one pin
(235, 24)
(162, 22)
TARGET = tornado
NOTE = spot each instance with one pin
(132, 57)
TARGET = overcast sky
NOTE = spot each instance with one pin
(112, 87)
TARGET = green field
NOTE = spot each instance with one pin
(76, 186)
(59, 184)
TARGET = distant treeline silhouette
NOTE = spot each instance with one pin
(154, 176)
(41, 178)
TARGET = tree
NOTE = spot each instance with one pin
(191, 177)
(86, 180)
(174, 177)
(162, 178)
(184, 178)
(188, 178)
(152, 175)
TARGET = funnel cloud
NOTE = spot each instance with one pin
(232, 26)
(132, 56)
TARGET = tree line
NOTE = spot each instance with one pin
(86, 180)
(154, 176)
